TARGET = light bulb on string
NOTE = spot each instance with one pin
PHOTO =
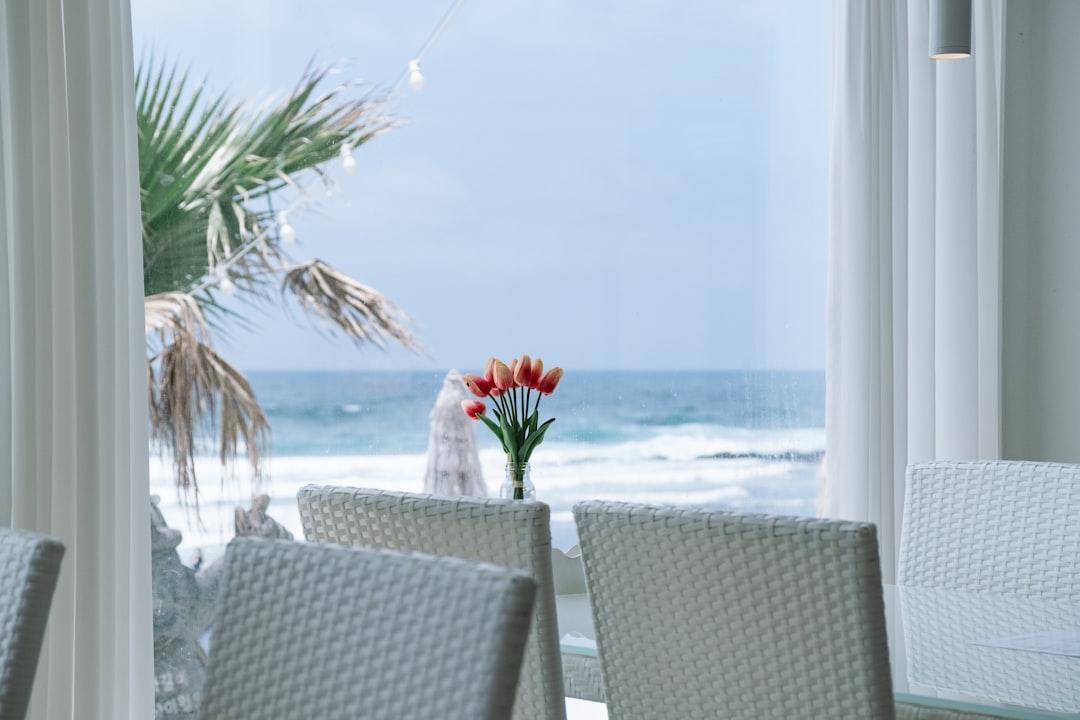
(413, 74)
(348, 162)
(285, 230)
(221, 279)
(416, 78)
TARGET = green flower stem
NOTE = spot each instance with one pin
(517, 478)
(515, 411)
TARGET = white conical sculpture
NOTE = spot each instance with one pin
(453, 464)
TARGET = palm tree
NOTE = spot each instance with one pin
(210, 173)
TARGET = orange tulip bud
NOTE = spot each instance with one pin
(550, 380)
(504, 378)
(523, 372)
(473, 408)
(477, 385)
(489, 370)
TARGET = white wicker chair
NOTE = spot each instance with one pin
(29, 567)
(999, 526)
(513, 533)
(706, 614)
(308, 631)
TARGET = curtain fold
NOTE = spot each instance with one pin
(73, 432)
(913, 364)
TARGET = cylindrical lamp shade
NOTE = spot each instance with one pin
(950, 29)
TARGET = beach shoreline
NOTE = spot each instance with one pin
(753, 484)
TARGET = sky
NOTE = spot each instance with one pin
(605, 185)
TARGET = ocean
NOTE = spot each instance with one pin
(749, 441)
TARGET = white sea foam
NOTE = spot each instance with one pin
(675, 469)
(690, 442)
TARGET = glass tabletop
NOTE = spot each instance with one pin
(1002, 655)
(1006, 655)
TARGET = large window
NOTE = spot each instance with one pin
(633, 191)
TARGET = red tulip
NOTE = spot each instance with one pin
(523, 371)
(477, 385)
(516, 423)
(550, 380)
(504, 379)
(537, 373)
(473, 408)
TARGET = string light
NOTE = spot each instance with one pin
(348, 162)
(416, 78)
(285, 230)
(412, 72)
(219, 276)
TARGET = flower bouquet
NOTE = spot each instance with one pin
(510, 387)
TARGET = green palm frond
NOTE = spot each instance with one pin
(207, 168)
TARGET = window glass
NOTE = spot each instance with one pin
(635, 192)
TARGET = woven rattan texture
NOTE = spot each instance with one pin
(581, 675)
(29, 567)
(992, 526)
(707, 615)
(946, 634)
(504, 532)
(314, 631)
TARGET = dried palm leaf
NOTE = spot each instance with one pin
(358, 310)
(193, 389)
(175, 312)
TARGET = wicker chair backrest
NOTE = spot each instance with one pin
(513, 533)
(309, 631)
(707, 614)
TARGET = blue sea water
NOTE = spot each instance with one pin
(749, 441)
(348, 413)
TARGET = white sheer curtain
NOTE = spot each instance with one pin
(914, 301)
(72, 373)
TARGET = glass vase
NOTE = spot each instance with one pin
(517, 485)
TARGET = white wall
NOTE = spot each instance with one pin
(1041, 254)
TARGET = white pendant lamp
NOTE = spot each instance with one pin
(950, 29)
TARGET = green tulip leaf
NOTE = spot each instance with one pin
(535, 439)
(510, 445)
(494, 428)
